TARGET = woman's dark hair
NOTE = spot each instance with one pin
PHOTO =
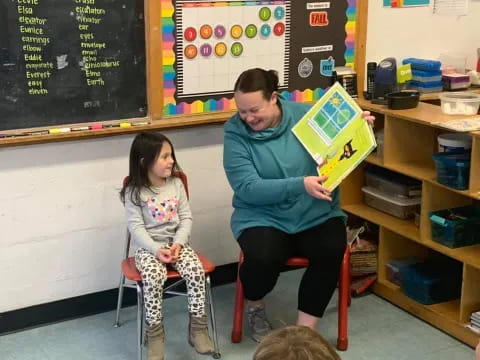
(258, 79)
(144, 151)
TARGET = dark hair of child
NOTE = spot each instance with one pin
(143, 153)
(295, 343)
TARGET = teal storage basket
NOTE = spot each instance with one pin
(432, 282)
(456, 227)
(453, 169)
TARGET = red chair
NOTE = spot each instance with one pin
(130, 272)
(343, 299)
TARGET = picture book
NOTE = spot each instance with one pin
(336, 136)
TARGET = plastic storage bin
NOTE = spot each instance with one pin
(392, 183)
(417, 219)
(395, 265)
(379, 136)
(454, 142)
(426, 76)
(453, 169)
(456, 227)
(423, 64)
(453, 63)
(455, 81)
(433, 281)
(402, 208)
(460, 103)
(426, 87)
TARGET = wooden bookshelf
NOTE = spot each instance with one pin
(410, 139)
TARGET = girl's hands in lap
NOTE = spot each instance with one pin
(175, 251)
(164, 255)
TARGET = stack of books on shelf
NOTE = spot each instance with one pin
(475, 322)
(363, 253)
(364, 257)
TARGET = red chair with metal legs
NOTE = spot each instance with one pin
(343, 299)
(130, 272)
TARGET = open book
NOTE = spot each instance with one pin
(335, 135)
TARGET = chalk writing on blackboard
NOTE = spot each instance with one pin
(64, 62)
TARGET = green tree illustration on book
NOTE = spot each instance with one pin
(332, 118)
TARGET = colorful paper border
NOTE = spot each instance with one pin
(225, 104)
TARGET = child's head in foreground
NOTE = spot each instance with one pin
(295, 343)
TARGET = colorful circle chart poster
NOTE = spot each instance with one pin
(207, 44)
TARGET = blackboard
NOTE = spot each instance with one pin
(76, 61)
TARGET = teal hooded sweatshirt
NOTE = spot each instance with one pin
(266, 169)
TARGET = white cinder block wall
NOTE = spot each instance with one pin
(417, 32)
(62, 223)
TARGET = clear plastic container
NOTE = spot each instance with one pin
(394, 268)
(379, 136)
(453, 63)
(454, 142)
(460, 103)
(402, 208)
(392, 183)
(417, 219)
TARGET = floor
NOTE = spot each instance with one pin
(377, 330)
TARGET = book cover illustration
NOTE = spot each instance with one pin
(335, 135)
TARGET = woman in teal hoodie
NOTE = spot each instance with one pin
(281, 208)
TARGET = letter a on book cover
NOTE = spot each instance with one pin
(335, 135)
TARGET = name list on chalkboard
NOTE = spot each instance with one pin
(71, 61)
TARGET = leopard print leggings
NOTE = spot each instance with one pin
(154, 274)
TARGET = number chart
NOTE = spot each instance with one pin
(216, 41)
(206, 44)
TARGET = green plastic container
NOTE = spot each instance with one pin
(456, 227)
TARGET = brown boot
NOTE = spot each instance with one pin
(198, 335)
(155, 342)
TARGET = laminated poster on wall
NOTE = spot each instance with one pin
(405, 3)
(336, 136)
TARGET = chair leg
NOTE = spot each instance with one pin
(140, 320)
(208, 288)
(238, 312)
(119, 300)
(343, 299)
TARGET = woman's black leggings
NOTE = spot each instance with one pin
(266, 250)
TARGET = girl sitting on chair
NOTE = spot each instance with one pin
(160, 221)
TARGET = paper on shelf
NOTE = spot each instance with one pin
(461, 125)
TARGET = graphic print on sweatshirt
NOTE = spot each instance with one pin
(163, 210)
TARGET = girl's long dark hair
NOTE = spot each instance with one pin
(144, 152)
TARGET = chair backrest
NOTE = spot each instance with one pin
(182, 176)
